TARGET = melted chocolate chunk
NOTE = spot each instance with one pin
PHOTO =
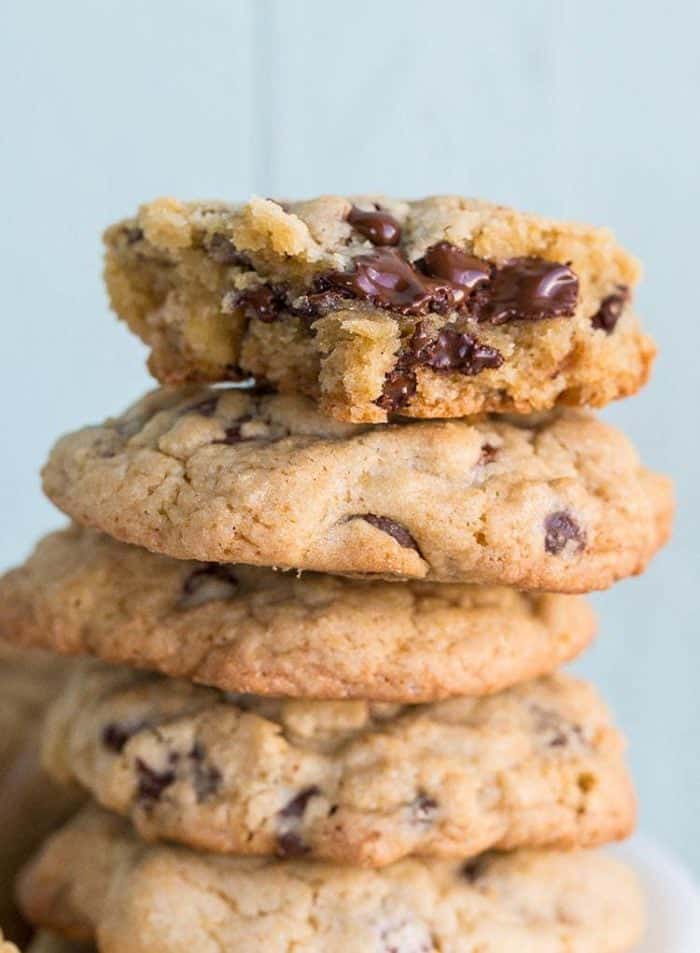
(447, 261)
(450, 351)
(386, 279)
(214, 582)
(261, 302)
(207, 777)
(378, 227)
(446, 279)
(222, 250)
(152, 783)
(527, 289)
(424, 808)
(296, 807)
(392, 528)
(560, 528)
(399, 386)
(116, 734)
(610, 311)
(457, 351)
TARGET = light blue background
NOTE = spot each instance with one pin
(583, 110)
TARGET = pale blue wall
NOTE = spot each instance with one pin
(583, 110)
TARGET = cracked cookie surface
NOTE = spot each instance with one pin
(349, 781)
(95, 879)
(251, 629)
(559, 503)
(443, 307)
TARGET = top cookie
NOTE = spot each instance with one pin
(225, 475)
(443, 307)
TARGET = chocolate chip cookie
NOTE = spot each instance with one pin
(443, 307)
(251, 629)
(560, 503)
(31, 804)
(53, 943)
(352, 782)
(95, 879)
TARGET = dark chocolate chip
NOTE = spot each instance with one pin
(561, 528)
(458, 351)
(488, 453)
(385, 278)
(296, 807)
(392, 528)
(557, 732)
(261, 302)
(290, 844)
(207, 777)
(214, 582)
(527, 289)
(133, 234)
(424, 808)
(378, 227)
(399, 386)
(447, 261)
(474, 870)
(610, 311)
(152, 783)
(116, 734)
(222, 250)
(232, 434)
(289, 841)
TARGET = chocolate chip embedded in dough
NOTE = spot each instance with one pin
(560, 529)
(213, 582)
(527, 289)
(392, 528)
(610, 311)
(377, 226)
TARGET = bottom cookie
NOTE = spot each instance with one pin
(52, 943)
(95, 880)
(31, 804)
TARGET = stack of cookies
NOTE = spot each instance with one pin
(323, 580)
